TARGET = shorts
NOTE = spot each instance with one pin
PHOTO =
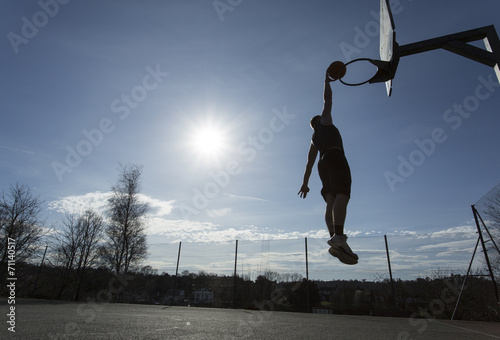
(335, 173)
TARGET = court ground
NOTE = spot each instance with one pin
(40, 319)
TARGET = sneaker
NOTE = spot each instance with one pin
(343, 257)
(341, 250)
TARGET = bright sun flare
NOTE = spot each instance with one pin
(209, 142)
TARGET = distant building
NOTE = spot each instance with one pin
(320, 310)
(178, 299)
(203, 295)
(326, 293)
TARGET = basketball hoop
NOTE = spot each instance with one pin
(385, 71)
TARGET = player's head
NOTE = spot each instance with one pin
(314, 120)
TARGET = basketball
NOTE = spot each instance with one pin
(336, 70)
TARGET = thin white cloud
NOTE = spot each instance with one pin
(79, 203)
(219, 212)
(458, 245)
(29, 152)
(207, 232)
(246, 197)
(466, 229)
(177, 229)
(158, 207)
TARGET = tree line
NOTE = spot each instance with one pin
(113, 241)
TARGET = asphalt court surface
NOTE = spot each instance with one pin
(40, 319)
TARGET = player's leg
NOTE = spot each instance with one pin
(339, 213)
(340, 187)
(336, 177)
(330, 202)
(338, 242)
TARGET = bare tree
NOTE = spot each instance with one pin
(67, 242)
(493, 213)
(148, 270)
(77, 248)
(493, 210)
(271, 276)
(126, 239)
(20, 220)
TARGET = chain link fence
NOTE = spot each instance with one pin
(411, 257)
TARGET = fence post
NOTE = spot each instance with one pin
(307, 276)
(390, 270)
(176, 271)
(234, 275)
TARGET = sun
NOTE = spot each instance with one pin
(209, 142)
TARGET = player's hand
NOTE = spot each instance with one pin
(303, 191)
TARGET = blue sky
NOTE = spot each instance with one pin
(89, 84)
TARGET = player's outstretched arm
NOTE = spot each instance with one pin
(311, 158)
(326, 115)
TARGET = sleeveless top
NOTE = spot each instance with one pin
(326, 137)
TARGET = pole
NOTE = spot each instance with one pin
(234, 275)
(489, 234)
(176, 271)
(39, 270)
(465, 280)
(307, 262)
(390, 270)
(307, 276)
(474, 211)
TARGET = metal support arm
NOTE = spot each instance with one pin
(457, 43)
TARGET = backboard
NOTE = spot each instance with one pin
(391, 52)
(387, 37)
